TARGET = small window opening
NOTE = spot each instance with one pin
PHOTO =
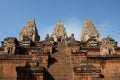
(110, 51)
(9, 50)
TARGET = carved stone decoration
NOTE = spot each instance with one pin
(59, 32)
(72, 38)
(30, 31)
(48, 39)
(10, 45)
(107, 47)
(92, 42)
(89, 30)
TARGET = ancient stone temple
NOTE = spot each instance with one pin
(59, 57)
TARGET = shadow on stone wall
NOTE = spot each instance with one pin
(48, 76)
(51, 61)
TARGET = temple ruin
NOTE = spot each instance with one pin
(59, 56)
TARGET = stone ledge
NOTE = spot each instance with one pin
(15, 57)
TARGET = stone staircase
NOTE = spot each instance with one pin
(62, 68)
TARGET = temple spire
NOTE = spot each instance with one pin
(89, 31)
(59, 32)
(30, 31)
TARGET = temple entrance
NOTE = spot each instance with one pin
(110, 51)
(9, 51)
(59, 39)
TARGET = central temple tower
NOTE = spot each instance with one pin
(59, 33)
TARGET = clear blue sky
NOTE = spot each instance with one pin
(105, 14)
